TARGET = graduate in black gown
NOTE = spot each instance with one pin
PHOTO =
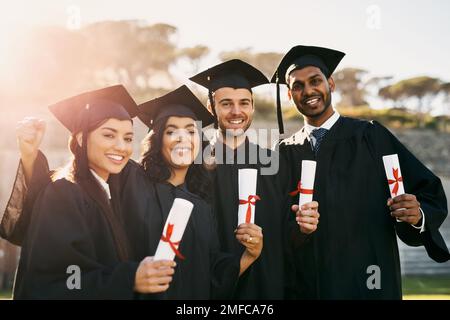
(75, 246)
(231, 101)
(358, 228)
(167, 172)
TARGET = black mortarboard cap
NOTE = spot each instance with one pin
(233, 73)
(79, 112)
(180, 102)
(303, 56)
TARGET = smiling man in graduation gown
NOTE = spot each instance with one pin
(356, 241)
(231, 101)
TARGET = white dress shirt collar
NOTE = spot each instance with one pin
(103, 183)
(326, 125)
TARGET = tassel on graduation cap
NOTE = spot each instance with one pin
(213, 109)
(84, 172)
(279, 112)
(150, 127)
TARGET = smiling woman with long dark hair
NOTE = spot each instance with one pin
(76, 246)
(168, 171)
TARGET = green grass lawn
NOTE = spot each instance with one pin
(5, 295)
(426, 285)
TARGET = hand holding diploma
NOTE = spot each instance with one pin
(247, 179)
(248, 233)
(404, 207)
(153, 276)
(307, 214)
(251, 237)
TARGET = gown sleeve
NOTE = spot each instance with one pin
(17, 214)
(421, 182)
(59, 237)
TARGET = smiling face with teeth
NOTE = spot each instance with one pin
(311, 92)
(180, 142)
(234, 110)
(109, 147)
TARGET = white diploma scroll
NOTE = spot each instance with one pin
(306, 184)
(247, 179)
(393, 175)
(173, 230)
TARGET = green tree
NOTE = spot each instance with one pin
(130, 52)
(423, 88)
(194, 55)
(390, 93)
(445, 89)
(351, 87)
(264, 61)
(54, 62)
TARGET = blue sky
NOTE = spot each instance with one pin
(399, 38)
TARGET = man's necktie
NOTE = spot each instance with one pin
(319, 134)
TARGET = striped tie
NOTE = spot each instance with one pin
(319, 134)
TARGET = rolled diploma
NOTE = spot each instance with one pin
(390, 163)
(178, 216)
(247, 186)
(307, 181)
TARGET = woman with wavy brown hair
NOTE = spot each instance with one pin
(76, 245)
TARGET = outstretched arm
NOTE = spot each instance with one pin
(32, 176)
(29, 132)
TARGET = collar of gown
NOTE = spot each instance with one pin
(103, 183)
(326, 125)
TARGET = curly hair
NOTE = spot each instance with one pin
(156, 167)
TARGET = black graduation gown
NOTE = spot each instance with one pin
(205, 273)
(17, 215)
(355, 229)
(67, 228)
(267, 277)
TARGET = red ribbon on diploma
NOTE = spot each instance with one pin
(250, 201)
(396, 180)
(166, 238)
(300, 190)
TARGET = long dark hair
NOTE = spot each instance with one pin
(198, 180)
(78, 172)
